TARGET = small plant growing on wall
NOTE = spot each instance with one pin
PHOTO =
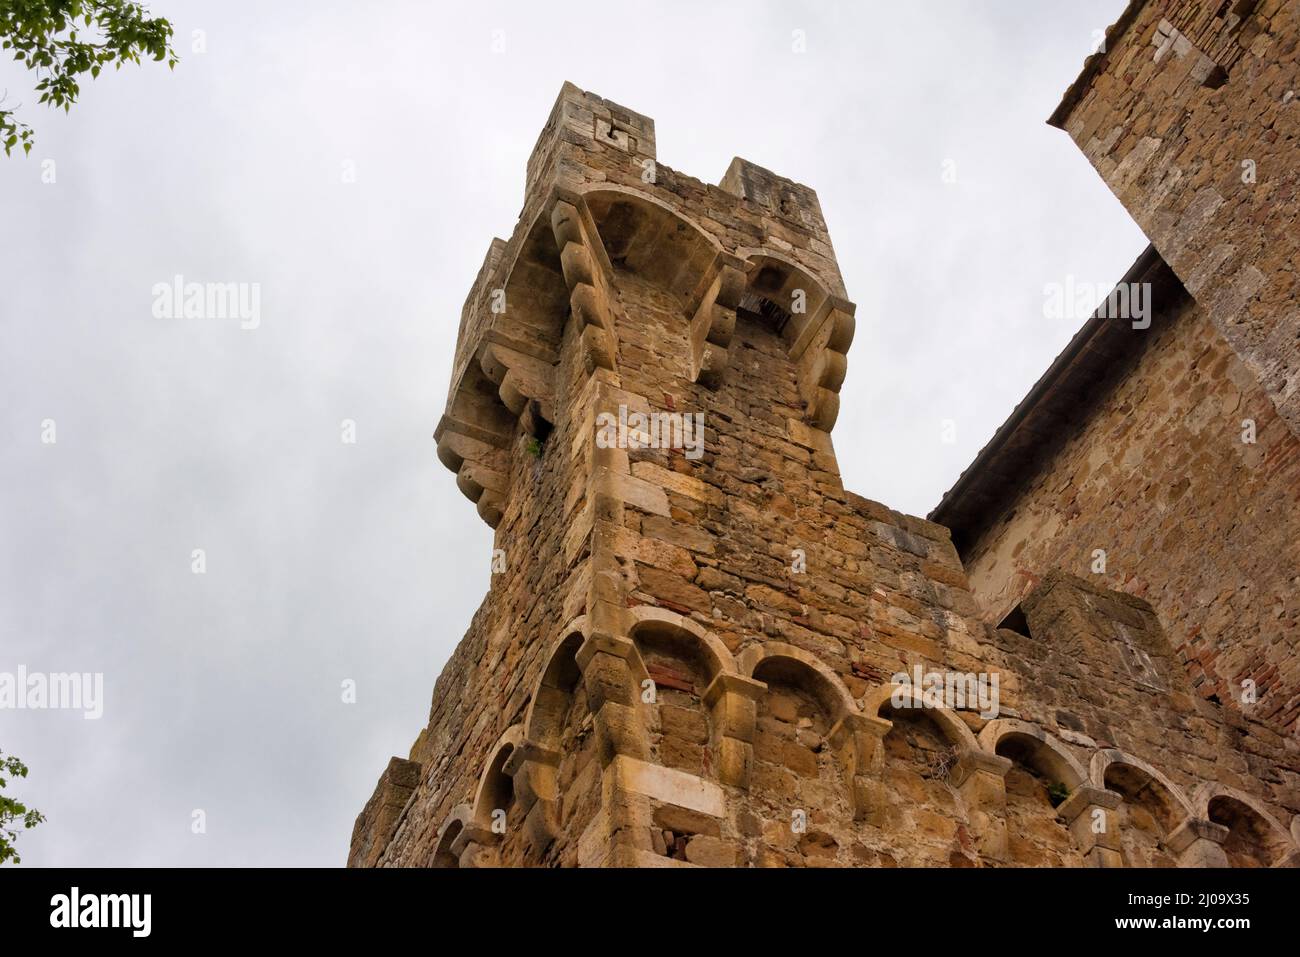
(1057, 793)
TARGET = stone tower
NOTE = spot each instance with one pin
(688, 652)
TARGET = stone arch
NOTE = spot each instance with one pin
(828, 286)
(529, 306)
(1029, 744)
(550, 760)
(652, 622)
(1153, 808)
(511, 332)
(816, 324)
(929, 762)
(649, 237)
(803, 667)
(555, 686)
(954, 728)
(1255, 837)
(773, 277)
(809, 750)
(496, 787)
(1107, 759)
(684, 661)
(1041, 775)
(536, 294)
(448, 832)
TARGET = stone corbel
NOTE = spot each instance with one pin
(1198, 843)
(714, 318)
(613, 675)
(475, 846)
(479, 460)
(534, 770)
(532, 767)
(519, 378)
(857, 738)
(819, 353)
(733, 702)
(1090, 814)
(590, 292)
(980, 778)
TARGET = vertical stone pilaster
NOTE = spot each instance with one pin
(590, 293)
(980, 778)
(857, 738)
(1090, 814)
(612, 674)
(533, 769)
(733, 700)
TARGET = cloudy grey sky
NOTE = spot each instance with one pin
(328, 561)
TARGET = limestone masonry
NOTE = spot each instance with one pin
(693, 647)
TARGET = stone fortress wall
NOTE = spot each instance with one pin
(686, 659)
(1185, 468)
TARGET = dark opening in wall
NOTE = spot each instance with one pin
(769, 311)
(541, 428)
(1015, 621)
(1215, 78)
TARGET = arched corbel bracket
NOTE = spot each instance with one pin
(587, 274)
(857, 738)
(713, 318)
(733, 700)
(1089, 813)
(478, 458)
(819, 352)
(535, 771)
(519, 379)
(980, 778)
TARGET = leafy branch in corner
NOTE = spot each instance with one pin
(12, 812)
(61, 40)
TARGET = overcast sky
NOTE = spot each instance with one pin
(328, 561)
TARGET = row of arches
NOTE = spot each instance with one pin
(734, 719)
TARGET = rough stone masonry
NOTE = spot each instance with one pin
(1174, 449)
(697, 660)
